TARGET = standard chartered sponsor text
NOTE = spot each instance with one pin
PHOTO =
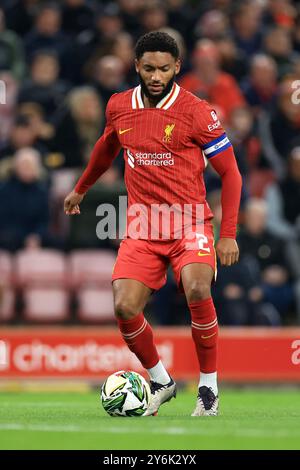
(154, 159)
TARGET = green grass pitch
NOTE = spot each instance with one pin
(249, 419)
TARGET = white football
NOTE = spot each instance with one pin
(125, 393)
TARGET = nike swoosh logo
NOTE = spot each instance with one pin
(122, 131)
(203, 254)
(206, 337)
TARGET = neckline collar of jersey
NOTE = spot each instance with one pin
(165, 103)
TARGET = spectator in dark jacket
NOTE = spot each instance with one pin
(24, 212)
(77, 16)
(260, 88)
(278, 130)
(238, 294)
(47, 35)
(267, 251)
(44, 86)
(22, 134)
(11, 51)
(284, 215)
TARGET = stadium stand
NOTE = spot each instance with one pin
(46, 304)
(91, 267)
(40, 267)
(90, 278)
(95, 305)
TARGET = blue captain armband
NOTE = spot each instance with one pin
(216, 146)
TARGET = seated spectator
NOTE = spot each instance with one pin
(154, 16)
(22, 134)
(95, 42)
(208, 81)
(36, 116)
(47, 35)
(232, 60)
(123, 48)
(129, 12)
(44, 86)
(283, 200)
(18, 15)
(247, 26)
(212, 25)
(266, 251)
(237, 294)
(181, 17)
(109, 77)
(108, 22)
(260, 89)
(24, 217)
(278, 45)
(238, 299)
(77, 16)
(11, 51)
(78, 125)
(44, 131)
(278, 130)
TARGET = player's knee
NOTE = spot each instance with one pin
(198, 290)
(125, 309)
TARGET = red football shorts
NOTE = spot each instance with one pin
(147, 261)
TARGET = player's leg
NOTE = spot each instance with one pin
(130, 298)
(138, 271)
(196, 280)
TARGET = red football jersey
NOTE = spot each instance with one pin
(166, 148)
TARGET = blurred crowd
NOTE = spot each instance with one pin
(61, 61)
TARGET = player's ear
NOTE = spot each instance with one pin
(177, 66)
(136, 64)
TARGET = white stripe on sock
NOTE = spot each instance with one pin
(205, 328)
(135, 333)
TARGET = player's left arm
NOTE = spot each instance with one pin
(225, 165)
(219, 152)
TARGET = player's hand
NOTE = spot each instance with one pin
(227, 251)
(71, 203)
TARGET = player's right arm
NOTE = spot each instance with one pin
(103, 153)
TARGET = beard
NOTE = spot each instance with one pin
(156, 98)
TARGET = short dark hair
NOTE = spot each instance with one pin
(154, 42)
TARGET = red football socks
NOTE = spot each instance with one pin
(138, 335)
(205, 333)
